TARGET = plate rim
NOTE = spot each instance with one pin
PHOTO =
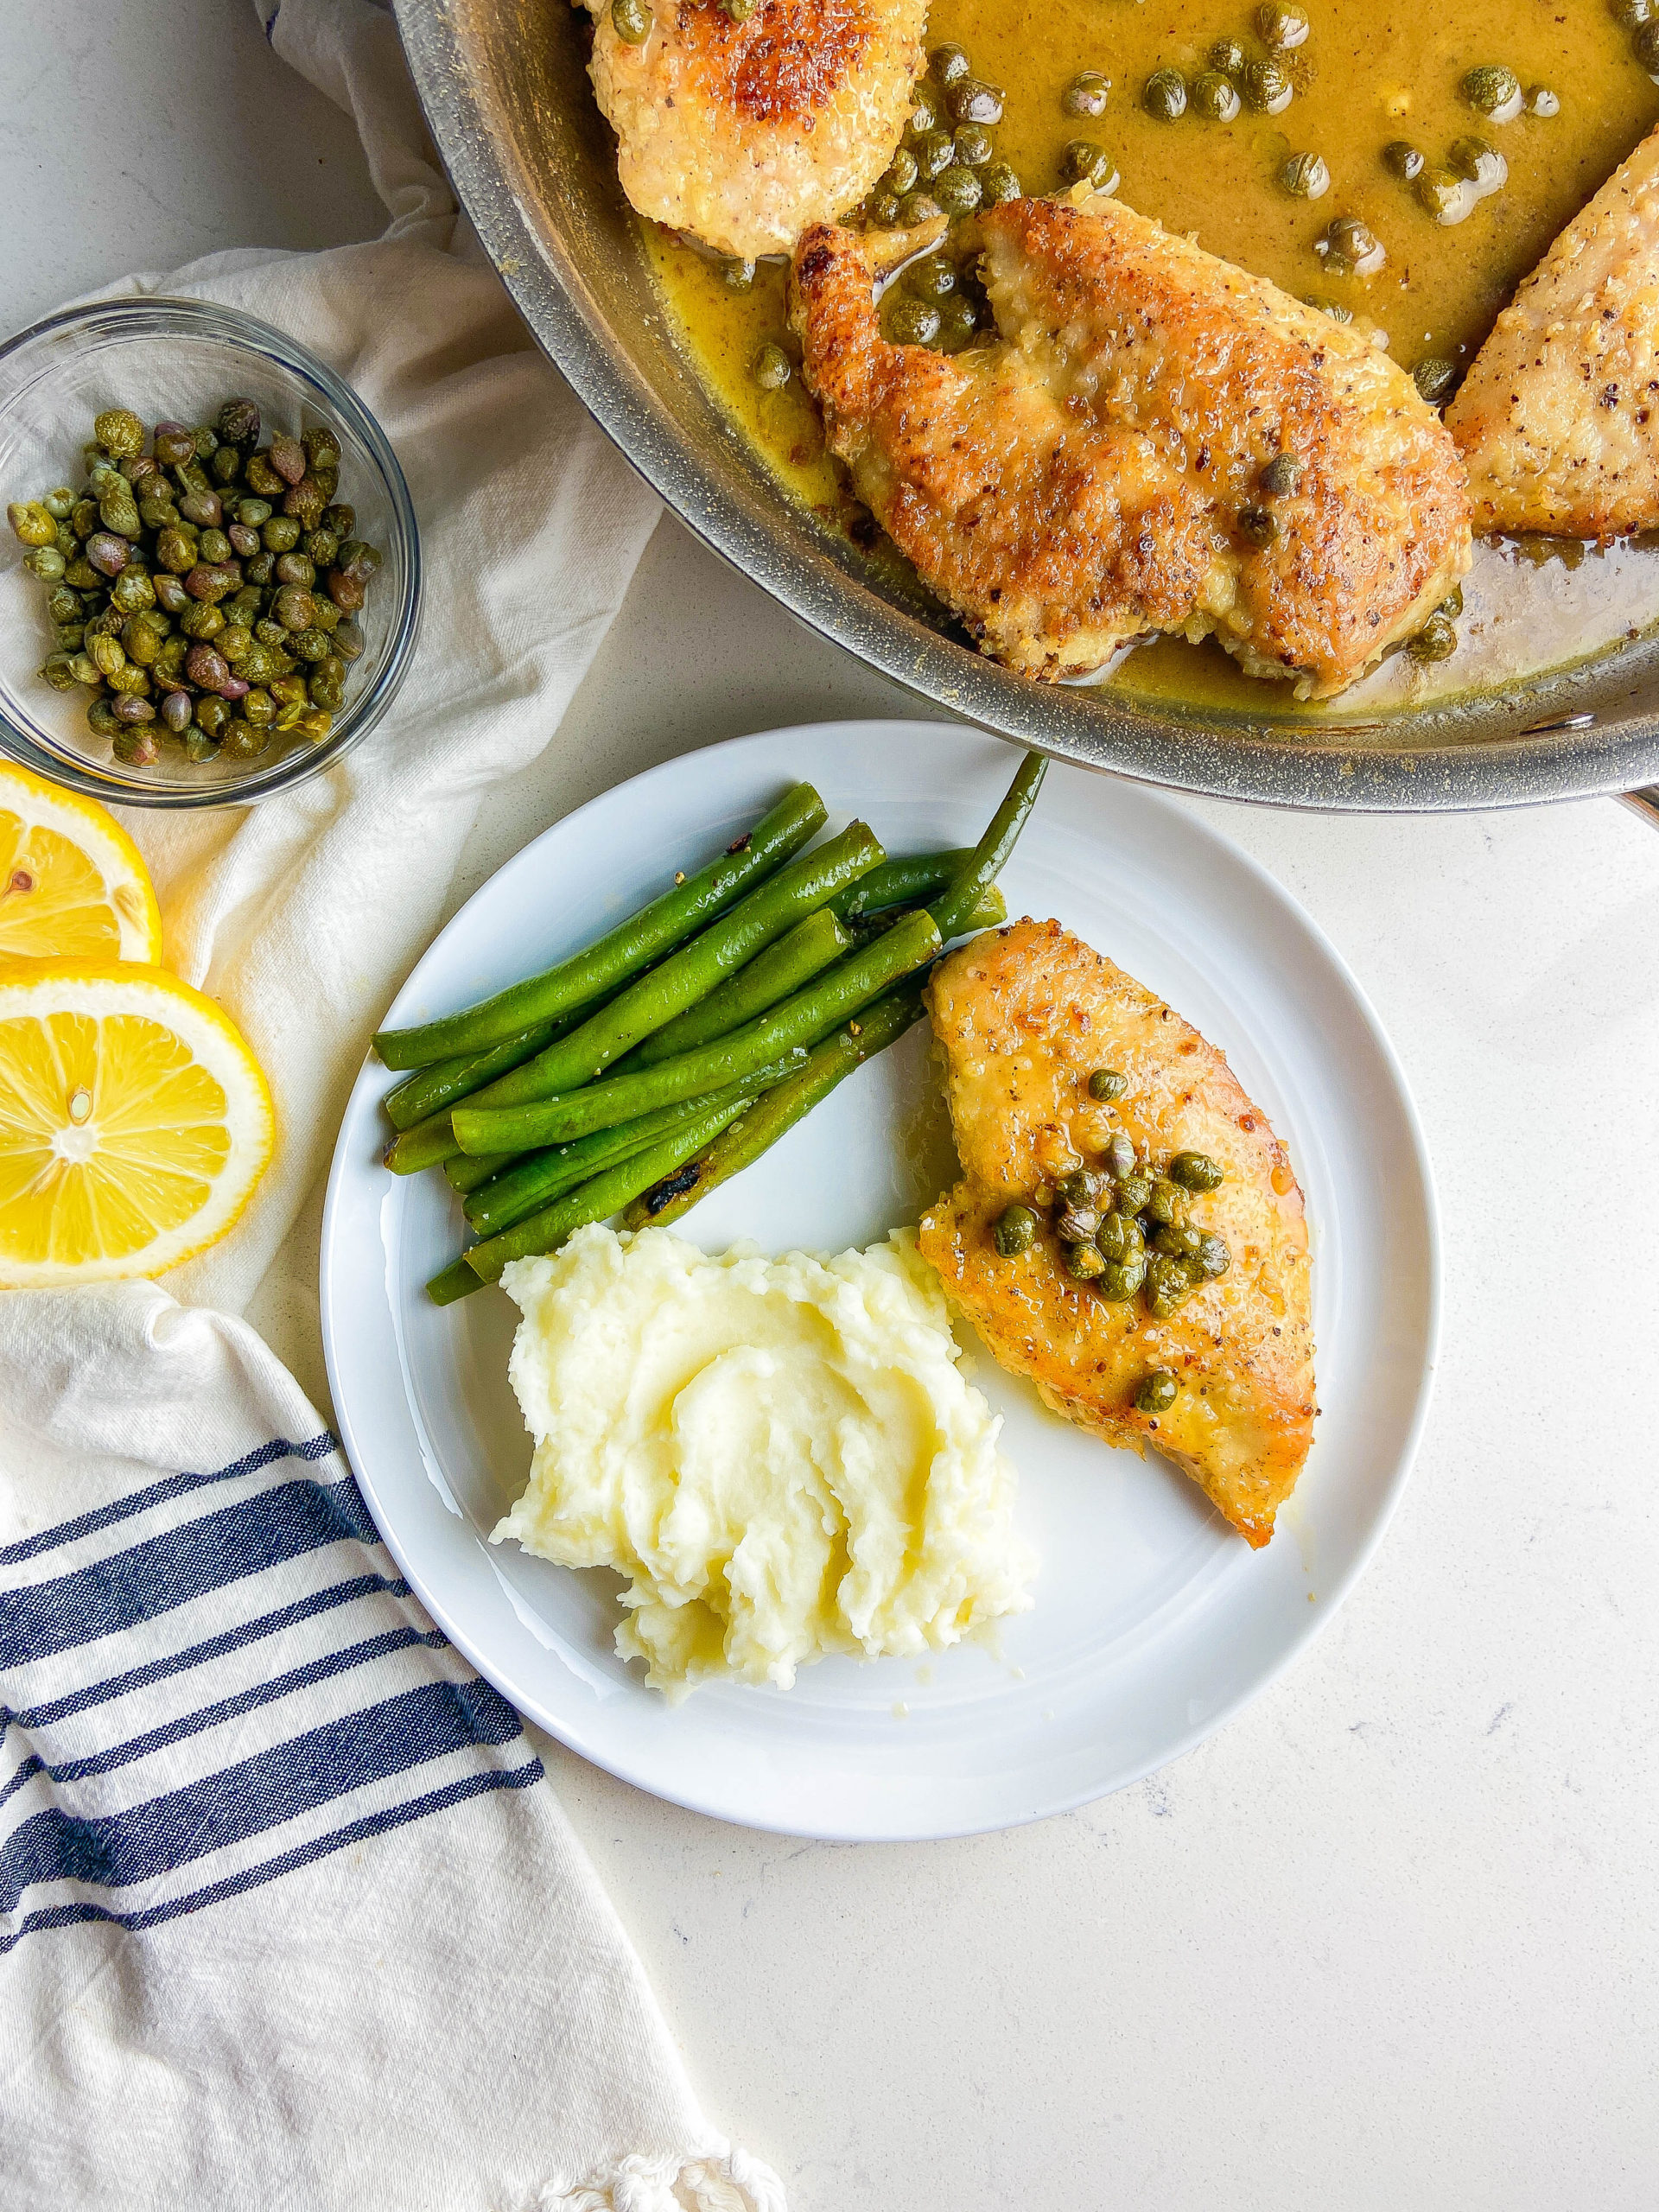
(344, 1167)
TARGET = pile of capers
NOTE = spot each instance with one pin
(935, 302)
(1123, 1226)
(204, 592)
(946, 164)
(1233, 79)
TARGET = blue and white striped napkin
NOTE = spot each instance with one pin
(288, 1913)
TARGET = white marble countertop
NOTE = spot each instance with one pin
(1389, 1939)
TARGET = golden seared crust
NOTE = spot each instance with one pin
(742, 134)
(1024, 1014)
(1558, 420)
(1079, 483)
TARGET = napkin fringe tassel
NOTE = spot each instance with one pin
(728, 2180)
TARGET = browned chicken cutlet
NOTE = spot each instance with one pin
(741, 133)
(1558, 420)
(1024, 1015)
(1097, 473)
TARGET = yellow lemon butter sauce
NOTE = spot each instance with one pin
(781, 1456)
(1365, 79)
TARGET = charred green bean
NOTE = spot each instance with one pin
(535, 1182)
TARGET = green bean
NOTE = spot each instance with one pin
(429, 1144)
(442, 1083)
(992, 908)
(469, 1173)
(455, 1281)
(951, 912)
(623, 951)
(692, 974)
(905, 881)
(607, 1193)
(772, 975)
(800, 1021)
(777, 1110)
(536, 1182)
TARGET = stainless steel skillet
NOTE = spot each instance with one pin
(504, 86)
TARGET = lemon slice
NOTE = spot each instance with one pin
(72, 884)
(134, 1122)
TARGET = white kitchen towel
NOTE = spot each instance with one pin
(289, 1916)
(288, 1913)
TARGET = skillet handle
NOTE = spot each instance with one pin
(1646, 803)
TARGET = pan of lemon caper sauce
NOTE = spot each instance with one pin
(1403, 166)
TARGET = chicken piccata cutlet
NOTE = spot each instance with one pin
(741, 133)
(1558, 420)
(1025, 1016)
(1156, 440)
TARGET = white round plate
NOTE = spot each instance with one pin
(1153, 1622)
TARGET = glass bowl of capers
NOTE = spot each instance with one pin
(134, 433)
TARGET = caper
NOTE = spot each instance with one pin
(1493, 90)
(958, 323)
(1266, 87)
(118, 431)
(1282, 477)
(1086, 95)
(932, 278)
(1083, 1261)
(912, 322)
(1164, 95)
(1304, 176)
(1119, 1154)
(919, 207)
(225, 466)
(772, 368)
(1228, 56)
(64, 604)
(46, 563)
(935, 151)
(1632, 13)
(1645, 46)
(109, 553)
(1452, 603)
(1282, 24)
(1155, 1393)
(1107, 1083)
(1214, 1258)
(1119, 1236)
(1436, 640)
(998, 185)
(1167, 1286)
(1177, 1241)
(1483, 166)
(1084, 162)
(1167, 1203)
(58, 670)
(238, 425)
(902, 172)
(1539, 100)
(956, 190)
(1076, 1224)
(58, 503)
(1120, 1278)
(1435, 378)
(1081, 1186)
(198, 745)
(1259, 524)
(972, 100)
(974, 145)
(348, 639)
(280, 535)
(630, 21)
(950, 64)
(1444, 193)
(1216, 96)
(33, 522)
(1196, 1171)
(926, 112)
(736, 274)
(1014, 1231)
(1134, 1191)
(885, 211)
(1350, 244)
(1402, 158)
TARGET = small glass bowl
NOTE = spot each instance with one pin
(182, 359)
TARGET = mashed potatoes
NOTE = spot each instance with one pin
(780, 1454)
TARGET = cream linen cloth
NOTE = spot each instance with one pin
(289, 1913)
